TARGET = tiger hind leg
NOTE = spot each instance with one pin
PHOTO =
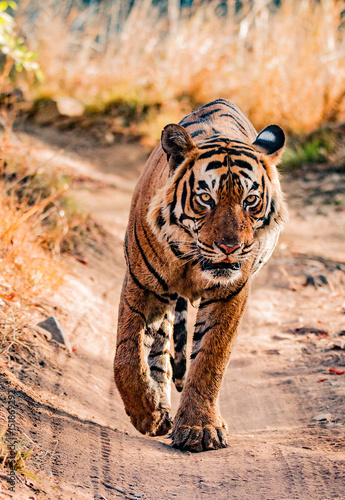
(179, 362)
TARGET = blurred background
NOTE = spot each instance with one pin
(150, 62)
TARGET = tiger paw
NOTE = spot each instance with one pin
(195, 438)
(156, 423)
(223, 424)
(164, 424)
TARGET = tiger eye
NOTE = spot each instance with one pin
(251, 199)
(205, 197)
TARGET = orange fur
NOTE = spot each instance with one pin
(205, 216)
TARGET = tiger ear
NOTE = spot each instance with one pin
(271, 142)
(177, 144)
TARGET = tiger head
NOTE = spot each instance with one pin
(222, 199)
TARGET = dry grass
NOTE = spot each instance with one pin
(283, 65)
(39, 221)
(16, 451)
(26, 269)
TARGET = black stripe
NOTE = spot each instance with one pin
(149, 242)
(263, 164)
(212, 112)
(159, 353)
(197, 132)
(212, 103)
(179, 369)
(184, 195)
(215, 139)
(198, 335)
(236, 141)
(242, 152)
(187, 124)
(157, 369)
(181, 304)
(209, 154)
(244, 174)
(243, 164)
(223, 178)
(148, 265)
(191, 181)
(162, 333)
(174, 248)
(232, 107)
(160, 219)
(223, 299)
(172, 296)
(202, 244)
(213, 165)
(180, 337)
(203, 185)
(236, 121)
(135, 311)
(142, 287)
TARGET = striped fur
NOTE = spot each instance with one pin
(205, 216)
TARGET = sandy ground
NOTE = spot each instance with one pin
(272, 395)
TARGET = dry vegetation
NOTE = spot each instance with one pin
(283, 65)
(39, 222)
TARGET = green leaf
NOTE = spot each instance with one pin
(39, 75)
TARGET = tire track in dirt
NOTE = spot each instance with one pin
(94, 460)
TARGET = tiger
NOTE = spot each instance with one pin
(205, 217)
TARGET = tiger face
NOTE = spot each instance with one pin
(221, 197)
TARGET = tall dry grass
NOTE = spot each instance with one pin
(284, 65)
(26, 269)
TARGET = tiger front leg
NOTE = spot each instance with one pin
(161, 369)
(198, 425)
(142, 373)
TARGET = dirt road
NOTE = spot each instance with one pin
(272, 397)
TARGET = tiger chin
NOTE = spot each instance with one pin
(205, 217)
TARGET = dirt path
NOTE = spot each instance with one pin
(270, 394)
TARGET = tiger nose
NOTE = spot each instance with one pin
(227, 249)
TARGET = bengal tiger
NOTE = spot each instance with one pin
(205, 216)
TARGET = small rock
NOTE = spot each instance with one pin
(304, 330)
(279, 337)
(47, 112)
(51, 325)
(69, 106)
(120, 490)
(322, 417)
(319, 280)
(338, 344)
(109, 138)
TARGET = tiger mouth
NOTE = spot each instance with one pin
(225, 264)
